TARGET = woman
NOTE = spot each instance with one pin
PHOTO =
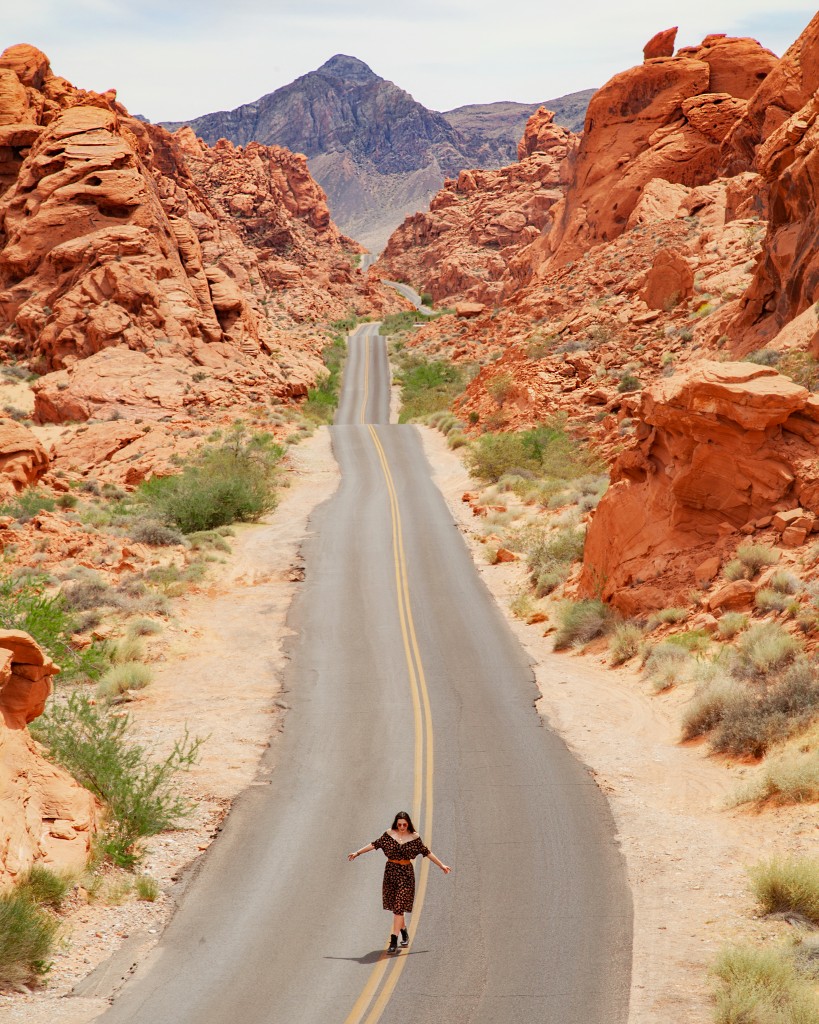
(401, 845)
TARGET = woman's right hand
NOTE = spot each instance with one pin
(351, 856)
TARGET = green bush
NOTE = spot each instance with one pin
(24, 604)
(581, 621)
(624, 642)
(428, 387)
(756, 986)
(232, 481)
(139, 793)
(45, 887)
(28, 504)
(27, 937)
(322, 400)
(790, 885)
(548, 450)
(147, 888)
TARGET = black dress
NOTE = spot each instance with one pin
(399, 879)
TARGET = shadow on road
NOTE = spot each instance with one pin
(376, 955)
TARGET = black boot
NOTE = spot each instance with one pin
(404, 937)
(393, 944)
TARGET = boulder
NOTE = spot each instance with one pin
(23, 460)
(661, 44)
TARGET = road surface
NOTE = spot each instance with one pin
(407, 692)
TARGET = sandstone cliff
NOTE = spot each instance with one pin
(126, 252)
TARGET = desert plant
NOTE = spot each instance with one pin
(755, 556)
(791, 778)
(769, 600)
(666, 665)
(143, 627)
(624, 642)
(222, 484)
(28, 504)
(709, 704)
(763, 649)
(128, 675)
(758, 986)
(146, 888)
(27, 937)
(784, 582)
(155, 533)
(581, 621)
(788, 885)
(139, 794)
(628, 382)
(730, 624)
(428, 386)
(45, 887)
(666, 616)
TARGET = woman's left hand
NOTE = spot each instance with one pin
(446, 868)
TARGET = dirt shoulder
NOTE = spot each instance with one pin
(217, 673)
(686, 854)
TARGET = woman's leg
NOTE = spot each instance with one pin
(397, 923)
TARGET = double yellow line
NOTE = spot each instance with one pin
(385, 974)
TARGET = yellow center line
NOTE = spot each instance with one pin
(389, 969)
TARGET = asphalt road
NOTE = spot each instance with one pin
(408, 692)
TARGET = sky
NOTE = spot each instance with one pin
(177, 59)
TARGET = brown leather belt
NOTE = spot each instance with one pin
(399, 861)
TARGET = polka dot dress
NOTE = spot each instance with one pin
(399, 879)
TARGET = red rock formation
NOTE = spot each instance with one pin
(663, 119)
(461, 248)
(23, 460)
(118, 236)
(45, 816)
(661, 44)
(719, 446)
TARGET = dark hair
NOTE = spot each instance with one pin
(403, 815)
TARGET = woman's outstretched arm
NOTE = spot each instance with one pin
(444, 867)
(364, 849)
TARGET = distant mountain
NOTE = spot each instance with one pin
(377, 152)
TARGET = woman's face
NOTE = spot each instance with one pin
(402, 825)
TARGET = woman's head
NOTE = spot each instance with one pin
(402, 816)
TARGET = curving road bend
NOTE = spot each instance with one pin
(407, 691)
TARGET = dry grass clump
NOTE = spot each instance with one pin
(750, 558)
(763, 649)
(667, 616)
(119, 679)
(711, 702)
(769, 600)
(550, 556)
(730, 624)
(581, 621)
(759, 986)
(789, 885)
(666, 665)
(790, 778)
(624, 642)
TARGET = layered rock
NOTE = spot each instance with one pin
(461, 249)
(720, 446)
(118, 236)
(45, 816)
(23, 460)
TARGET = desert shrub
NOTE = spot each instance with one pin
(769, 600)
(791, 778)
(139, 793)
(754, 723)
(763, 649)
(709, 704)
(500, 387)
(784, 582)
(45, 887)
(91, 591)
(28, 504)
(624, 642)
(155, 533)
(695, 641)
(128, 675)
(734, 570)
(27, 937)
(666, 665)
(457, 439)
(547, 450)
(759, 986)
(802, 368)
(143, 627)
(232, 481)
(666, 616)
(730, 624)
(522, 605)
(581, 621)
(208, 540)
(754, 557)
(24, 604)
(428, 386)
(128, 648)
(789, 885)
(322, 400)
(146, 888)
(628, 382)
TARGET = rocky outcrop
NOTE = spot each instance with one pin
(667, 119)
(45, 816)
(118, 236)
(462, 248)
(719, 448)
(23, 460)
(377, 152)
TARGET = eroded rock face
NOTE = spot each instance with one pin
(23, 460)
(720, 445)
(45, 816)
(666, 118)
(118, 236)
(462, 248)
